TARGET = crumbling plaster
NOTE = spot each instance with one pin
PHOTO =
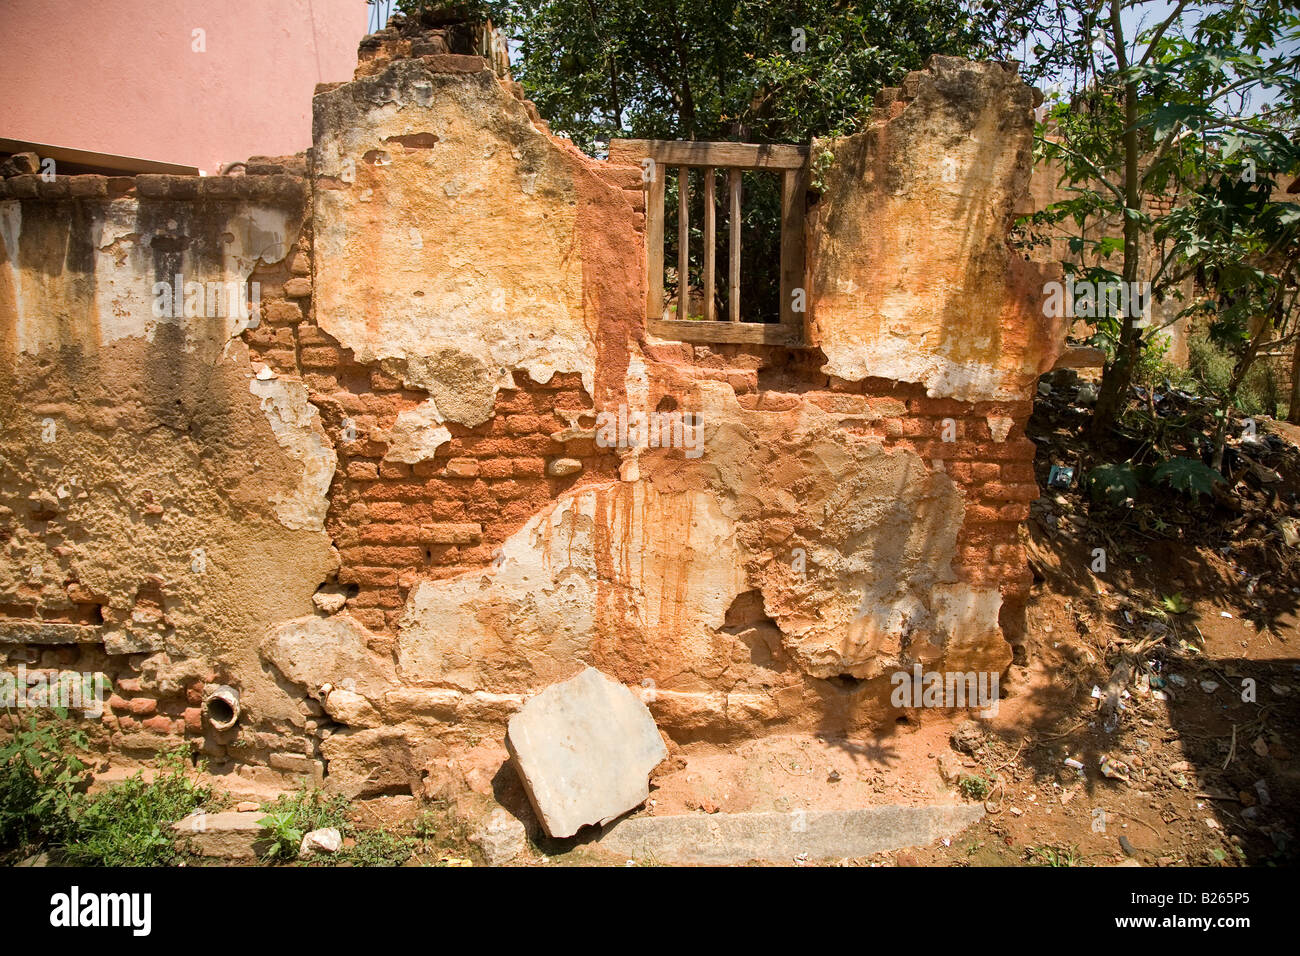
(140, 450)
(912, 276)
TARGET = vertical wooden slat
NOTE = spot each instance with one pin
(683, 242)
(733, 262)
(654, 244)
(793, 193)
(710, 240)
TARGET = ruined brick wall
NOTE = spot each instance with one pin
(161, 507)
(408, 521)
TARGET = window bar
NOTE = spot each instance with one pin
(710, 237)
(733, 227)
(654, 242)
(794, 186)
(683, 242)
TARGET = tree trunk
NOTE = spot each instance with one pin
(1293, 410)
(1117, 376)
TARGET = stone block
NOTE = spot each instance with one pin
(229, 835)
(584, 749)
(563, 467)
(501, 837)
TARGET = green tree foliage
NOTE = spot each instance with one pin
(1197, 109)
(750, 70)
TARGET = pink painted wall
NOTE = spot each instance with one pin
(121, 76)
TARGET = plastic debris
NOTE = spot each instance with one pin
(1113, 769)
(1060, 477)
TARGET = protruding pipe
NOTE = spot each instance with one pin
(221, 706)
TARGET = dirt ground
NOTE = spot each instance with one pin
(1201, 768)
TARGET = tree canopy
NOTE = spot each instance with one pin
(751, 70)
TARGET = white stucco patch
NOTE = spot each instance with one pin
(115, 297)
(298, 430)
(416, 436)
(615, 558)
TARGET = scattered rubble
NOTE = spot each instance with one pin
(968, 737)
(324, 840)
(501, 837)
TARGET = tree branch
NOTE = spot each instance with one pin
(1160, 32)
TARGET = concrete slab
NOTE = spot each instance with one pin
(781, 837)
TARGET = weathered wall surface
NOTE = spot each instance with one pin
(447, 236)
(411, 429)
(912, 277)
(161, 506)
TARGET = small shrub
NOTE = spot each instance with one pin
(974, 787)
(292, 816)
(40, 775)
(380, 848)
(440, 826)
(129, 824)
(1210, 365)
(1188, 475)
(43, 803)
(1113, 483)
(1154, 369)
(1054, 855)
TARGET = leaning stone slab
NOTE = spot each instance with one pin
(782, 837)
(584, 749)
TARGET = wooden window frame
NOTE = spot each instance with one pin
(792, 163)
